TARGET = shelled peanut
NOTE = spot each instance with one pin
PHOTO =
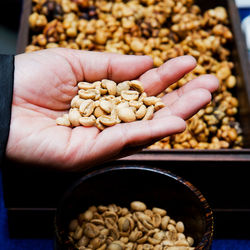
(115, 228)
(106, 103)
(162, 29)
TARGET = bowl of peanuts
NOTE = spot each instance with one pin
(133, 207)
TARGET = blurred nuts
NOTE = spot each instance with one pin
(115, 228)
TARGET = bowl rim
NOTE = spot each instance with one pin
(207, 238)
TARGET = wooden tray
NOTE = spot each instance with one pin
(31, 194)
(239, 54)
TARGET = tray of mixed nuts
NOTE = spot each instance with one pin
(163, 30)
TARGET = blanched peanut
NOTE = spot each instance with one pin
(129, 95)
(126, 115)
(114, 246)
(182, 242)
(151, 100)
(110, 86)
(74, 116)
(164, 222)
(98, 124)
(93, 94)
(160, 211)
(180, 226)
(106, 106)
(190, 241)
(84, 241)
(149, 114)
(142, 96)
(85, 85)
(76, 102)
(99, 112)
(123, 105)
(107, 120)
(135, 104)
(87, 121)
(122, 86)
(78, 233)
(159, 105)
(138, 206)
(114, 115)
(136, 85)
(140, 113)
(87, 107)
(63, 121)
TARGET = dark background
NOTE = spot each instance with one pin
(9, 22)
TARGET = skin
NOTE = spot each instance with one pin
(46, 81)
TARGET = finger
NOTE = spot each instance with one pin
(92, 66)
(187, 105)
(158, 79)
(139, 133)
(110, 143)
(208, 82)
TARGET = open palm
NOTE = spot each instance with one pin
(46, 81)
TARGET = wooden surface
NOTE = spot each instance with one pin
(239, 57)
(222, 155)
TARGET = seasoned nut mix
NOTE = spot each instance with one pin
(162, 30)
(92, 107)
(115, 228)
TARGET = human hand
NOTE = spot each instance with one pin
(46, 81)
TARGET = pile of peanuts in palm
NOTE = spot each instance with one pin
(106, 103)
(162, 29)
(116, 228)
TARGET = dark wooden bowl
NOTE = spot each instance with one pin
(123, 184)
